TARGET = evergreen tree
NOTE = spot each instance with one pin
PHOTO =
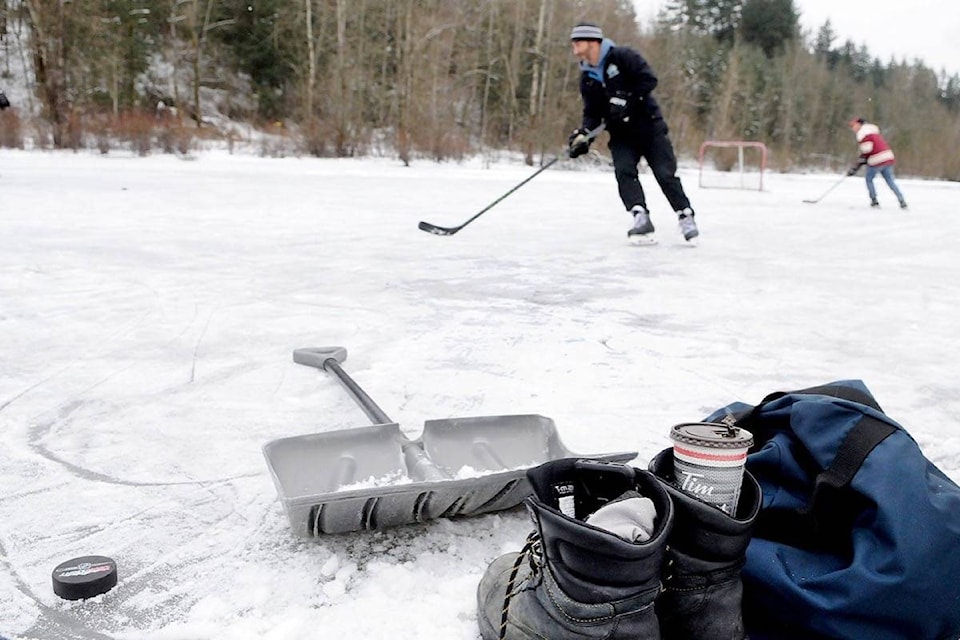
(769, 24)
(823, 45)
(717, 18)
(950, 93)
(254, 37)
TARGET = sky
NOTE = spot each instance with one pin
(151, 307)
(923, 29)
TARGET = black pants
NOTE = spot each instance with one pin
(627, 150)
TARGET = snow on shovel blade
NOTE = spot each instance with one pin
(374, 477)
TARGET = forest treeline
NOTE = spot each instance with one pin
(443, 79)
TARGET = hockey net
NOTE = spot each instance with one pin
(732, 164)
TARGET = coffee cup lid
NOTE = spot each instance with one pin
(712, 435)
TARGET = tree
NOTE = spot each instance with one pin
(127, 32)
(50, 24)
(430, 78)
(950, 92)
(256, 38)
(823, 45)
(769, 24)
(198, 20)
(717, 18)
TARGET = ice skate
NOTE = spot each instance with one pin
(641, 233)
(688, 227)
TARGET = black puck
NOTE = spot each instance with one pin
(84, 577)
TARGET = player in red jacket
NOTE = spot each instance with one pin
(878, 156)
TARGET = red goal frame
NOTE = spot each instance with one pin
(740, 145)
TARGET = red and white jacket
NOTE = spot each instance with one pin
(873, 148)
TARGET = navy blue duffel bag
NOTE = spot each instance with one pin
(859, 533)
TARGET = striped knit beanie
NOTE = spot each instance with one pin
(586, 31)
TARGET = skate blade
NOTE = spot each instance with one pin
(645, 240)
(692, 242)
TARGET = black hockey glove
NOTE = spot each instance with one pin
(619, 107)
(578, 143)
(853, 170)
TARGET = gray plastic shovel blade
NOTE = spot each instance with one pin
(374, 477)
(492, 443)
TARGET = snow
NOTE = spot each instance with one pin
(149, 308)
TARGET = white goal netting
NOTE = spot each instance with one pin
(732, 164)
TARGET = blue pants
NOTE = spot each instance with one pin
(887, 173)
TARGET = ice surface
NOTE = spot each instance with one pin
(149, 308)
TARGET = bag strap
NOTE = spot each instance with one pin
(762, 433)
(868, 433)
(842, 392)
(828, 516)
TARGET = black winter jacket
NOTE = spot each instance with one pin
(627, 76)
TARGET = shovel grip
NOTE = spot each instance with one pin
(317, 356)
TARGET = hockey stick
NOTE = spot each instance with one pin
(824, 195)
(449, 231)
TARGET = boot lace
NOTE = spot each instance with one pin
(532, 552)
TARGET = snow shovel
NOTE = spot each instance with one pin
(374, 477)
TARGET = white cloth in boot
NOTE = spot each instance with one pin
(631, 516)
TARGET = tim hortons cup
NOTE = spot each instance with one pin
(708, 461)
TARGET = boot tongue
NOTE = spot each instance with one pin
(630, 516)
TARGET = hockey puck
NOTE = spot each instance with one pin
(84, 577)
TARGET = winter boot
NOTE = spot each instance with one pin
(642, 230)
(703, 593)
(575, 578)
(874, 203)
(688, 227)
(903, 204)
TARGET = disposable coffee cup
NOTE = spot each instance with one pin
(708, 461)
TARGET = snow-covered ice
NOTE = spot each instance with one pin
(149, 308)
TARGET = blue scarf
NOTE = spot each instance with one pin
(597, 71)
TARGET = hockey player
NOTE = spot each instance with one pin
(616, 85)
(878, 156)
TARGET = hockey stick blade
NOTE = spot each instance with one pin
(438, 231)
(449, 231)
(825, 193)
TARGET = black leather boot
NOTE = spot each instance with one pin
(702, 591)
(573, 580)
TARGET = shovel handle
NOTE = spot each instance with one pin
(416, 459)
(329, 359)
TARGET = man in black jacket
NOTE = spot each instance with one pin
(616, 85)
